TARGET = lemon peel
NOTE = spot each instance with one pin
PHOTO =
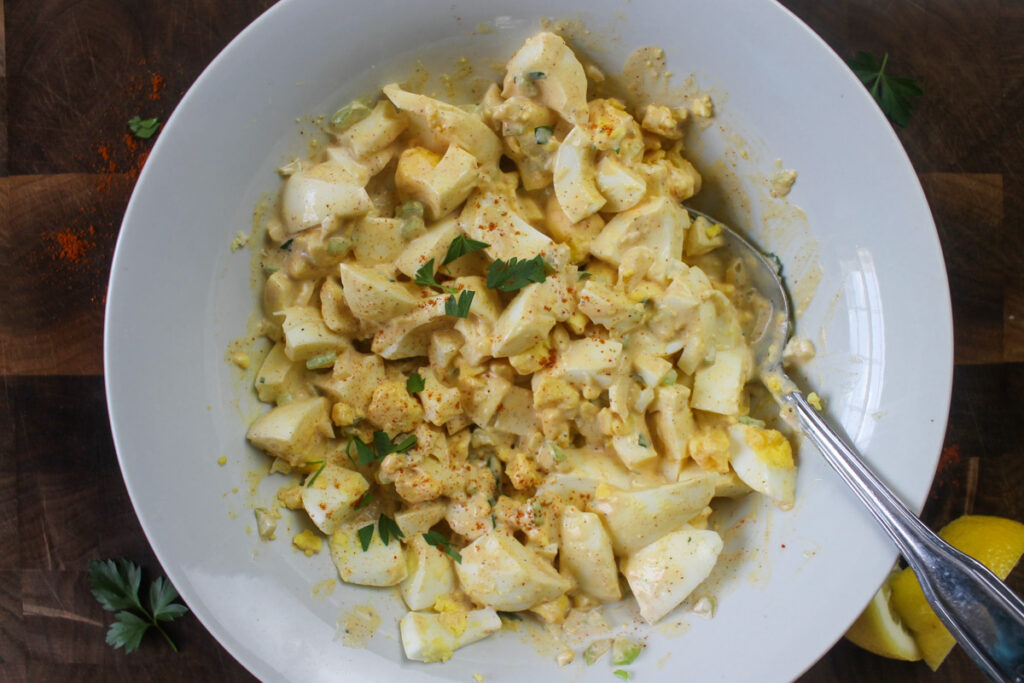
(879, 630)
(996, 542)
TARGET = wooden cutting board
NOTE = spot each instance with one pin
(72, 72)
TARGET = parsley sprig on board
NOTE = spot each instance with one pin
(892, 93)
(143, 128)
(115, 585)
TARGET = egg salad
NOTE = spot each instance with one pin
(508, 365)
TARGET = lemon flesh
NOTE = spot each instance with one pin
(995, 542)
(879, 630)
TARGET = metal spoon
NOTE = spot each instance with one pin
(984, 616)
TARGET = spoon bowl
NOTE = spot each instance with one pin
(984, 616)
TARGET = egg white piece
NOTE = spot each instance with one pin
(430, 637)
(753, 452)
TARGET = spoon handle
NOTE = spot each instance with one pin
(984, 616)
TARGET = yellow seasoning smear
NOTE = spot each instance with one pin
(308, 542)
(361, 622)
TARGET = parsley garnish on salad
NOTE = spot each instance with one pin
(514, 274)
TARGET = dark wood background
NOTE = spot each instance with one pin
(72, 72)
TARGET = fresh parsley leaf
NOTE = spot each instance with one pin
(461, 246)
(364, 453)
(892, 93)
(382, 444)
(438, 541)
(460, 309)
(405, 444)
(115, 585)
(584, 275)
(425, 278)
(287, 244)
(515, 274)
(388, 529)
(415, 383)
(143, 128)
(127, 631)
(365, 500)
(365, 535)
(323, 464)
(162, 595)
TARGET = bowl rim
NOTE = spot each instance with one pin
(199, 608)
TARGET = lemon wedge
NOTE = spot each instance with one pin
(995, 542)
(879, 630)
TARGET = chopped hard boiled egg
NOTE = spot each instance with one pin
(505, 361)
(664, 573)
(763, 459)
(435, 637)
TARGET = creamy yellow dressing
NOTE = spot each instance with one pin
(495, 327)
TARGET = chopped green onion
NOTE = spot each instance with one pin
(750, 421)
(338, 246)
(413, 227)
(349, 115)
(596, 650)
(542, 134)
(410, 208)
(670, 378)
(536, 75)
(625, 651)
(324, 360)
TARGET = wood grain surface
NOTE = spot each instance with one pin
(72, 72)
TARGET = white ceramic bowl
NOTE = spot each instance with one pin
(178, 295)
